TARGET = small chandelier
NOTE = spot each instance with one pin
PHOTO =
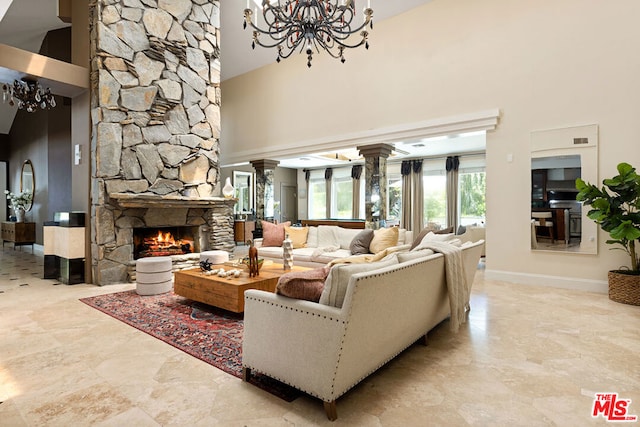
(309, 25)
(28, 95)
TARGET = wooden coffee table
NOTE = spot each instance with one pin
(226, 293)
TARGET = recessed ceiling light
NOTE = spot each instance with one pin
(418, 145)
(304, 159)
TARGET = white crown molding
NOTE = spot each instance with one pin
(470, 122)
(572, 283)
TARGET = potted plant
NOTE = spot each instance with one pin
(19, 203)
(616, 208)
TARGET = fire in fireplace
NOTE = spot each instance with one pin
(164, 241)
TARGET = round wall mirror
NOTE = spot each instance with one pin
(28, 181)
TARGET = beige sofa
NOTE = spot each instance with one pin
(326, 350)
(325, 243)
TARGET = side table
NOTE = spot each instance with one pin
(19, 233)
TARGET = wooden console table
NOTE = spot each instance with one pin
(243, 230)
(19, 233)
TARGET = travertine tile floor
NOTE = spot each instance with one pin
(528, 356)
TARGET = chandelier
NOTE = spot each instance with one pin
(309, 25)
(28, 95)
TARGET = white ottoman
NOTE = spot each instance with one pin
(153, 275)
(215, 257)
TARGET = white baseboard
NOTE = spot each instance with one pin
(573, 283)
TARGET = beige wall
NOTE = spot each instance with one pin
(544, 63)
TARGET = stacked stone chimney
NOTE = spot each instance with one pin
(155, 114)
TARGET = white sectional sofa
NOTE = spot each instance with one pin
(325, 243)
(325, 350)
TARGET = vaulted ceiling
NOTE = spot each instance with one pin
(24, 24)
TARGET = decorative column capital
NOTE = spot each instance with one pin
(376, 150)
(263, 164)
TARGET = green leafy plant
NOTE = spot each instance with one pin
(616, 209)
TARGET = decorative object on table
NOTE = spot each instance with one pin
(228, 190)
(245, 262)
(615, 210)
(27, 94)
(287, 252)
(19, 203)
(254, 269)
(293, 25)
(205, 265)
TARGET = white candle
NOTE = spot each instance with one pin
(256, 24)
(247, 4)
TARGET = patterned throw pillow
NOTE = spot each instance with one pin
(273, 234)
(298, 236)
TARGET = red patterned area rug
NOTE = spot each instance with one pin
(208, 333)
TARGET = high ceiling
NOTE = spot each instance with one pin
(24, 23)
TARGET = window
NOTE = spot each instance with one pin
(341, 194)
(471, 189)
(394, 194)
(317, 195)
(435, 199)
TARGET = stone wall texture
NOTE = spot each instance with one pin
(155, 113)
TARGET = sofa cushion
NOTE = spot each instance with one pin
(273, 234)
(306, 285)
(312, 237)
(328, 256)
(298, 236)
(383, 238)
(360, 243)
(411, 255)
(335, 287)
(270, 252)
(327, 236)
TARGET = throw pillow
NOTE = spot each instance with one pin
(360, 243)
(298, 236)
(383, 238)
(441, 238)
(335, 287)
(306, 285)
(426, 231)
(273, 234)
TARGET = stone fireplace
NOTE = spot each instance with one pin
(155, 115)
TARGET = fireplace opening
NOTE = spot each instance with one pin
(165, 241)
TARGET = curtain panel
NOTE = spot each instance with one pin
(328, 174)
(452, 165)
(356, 173)
(412, 195)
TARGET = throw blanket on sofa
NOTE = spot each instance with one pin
(457, 285)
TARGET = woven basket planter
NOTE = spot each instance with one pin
(624, 287)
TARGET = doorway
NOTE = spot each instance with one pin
(4, 185)
(288, 203)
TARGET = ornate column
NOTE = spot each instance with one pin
(265, 171)
(375, 157)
